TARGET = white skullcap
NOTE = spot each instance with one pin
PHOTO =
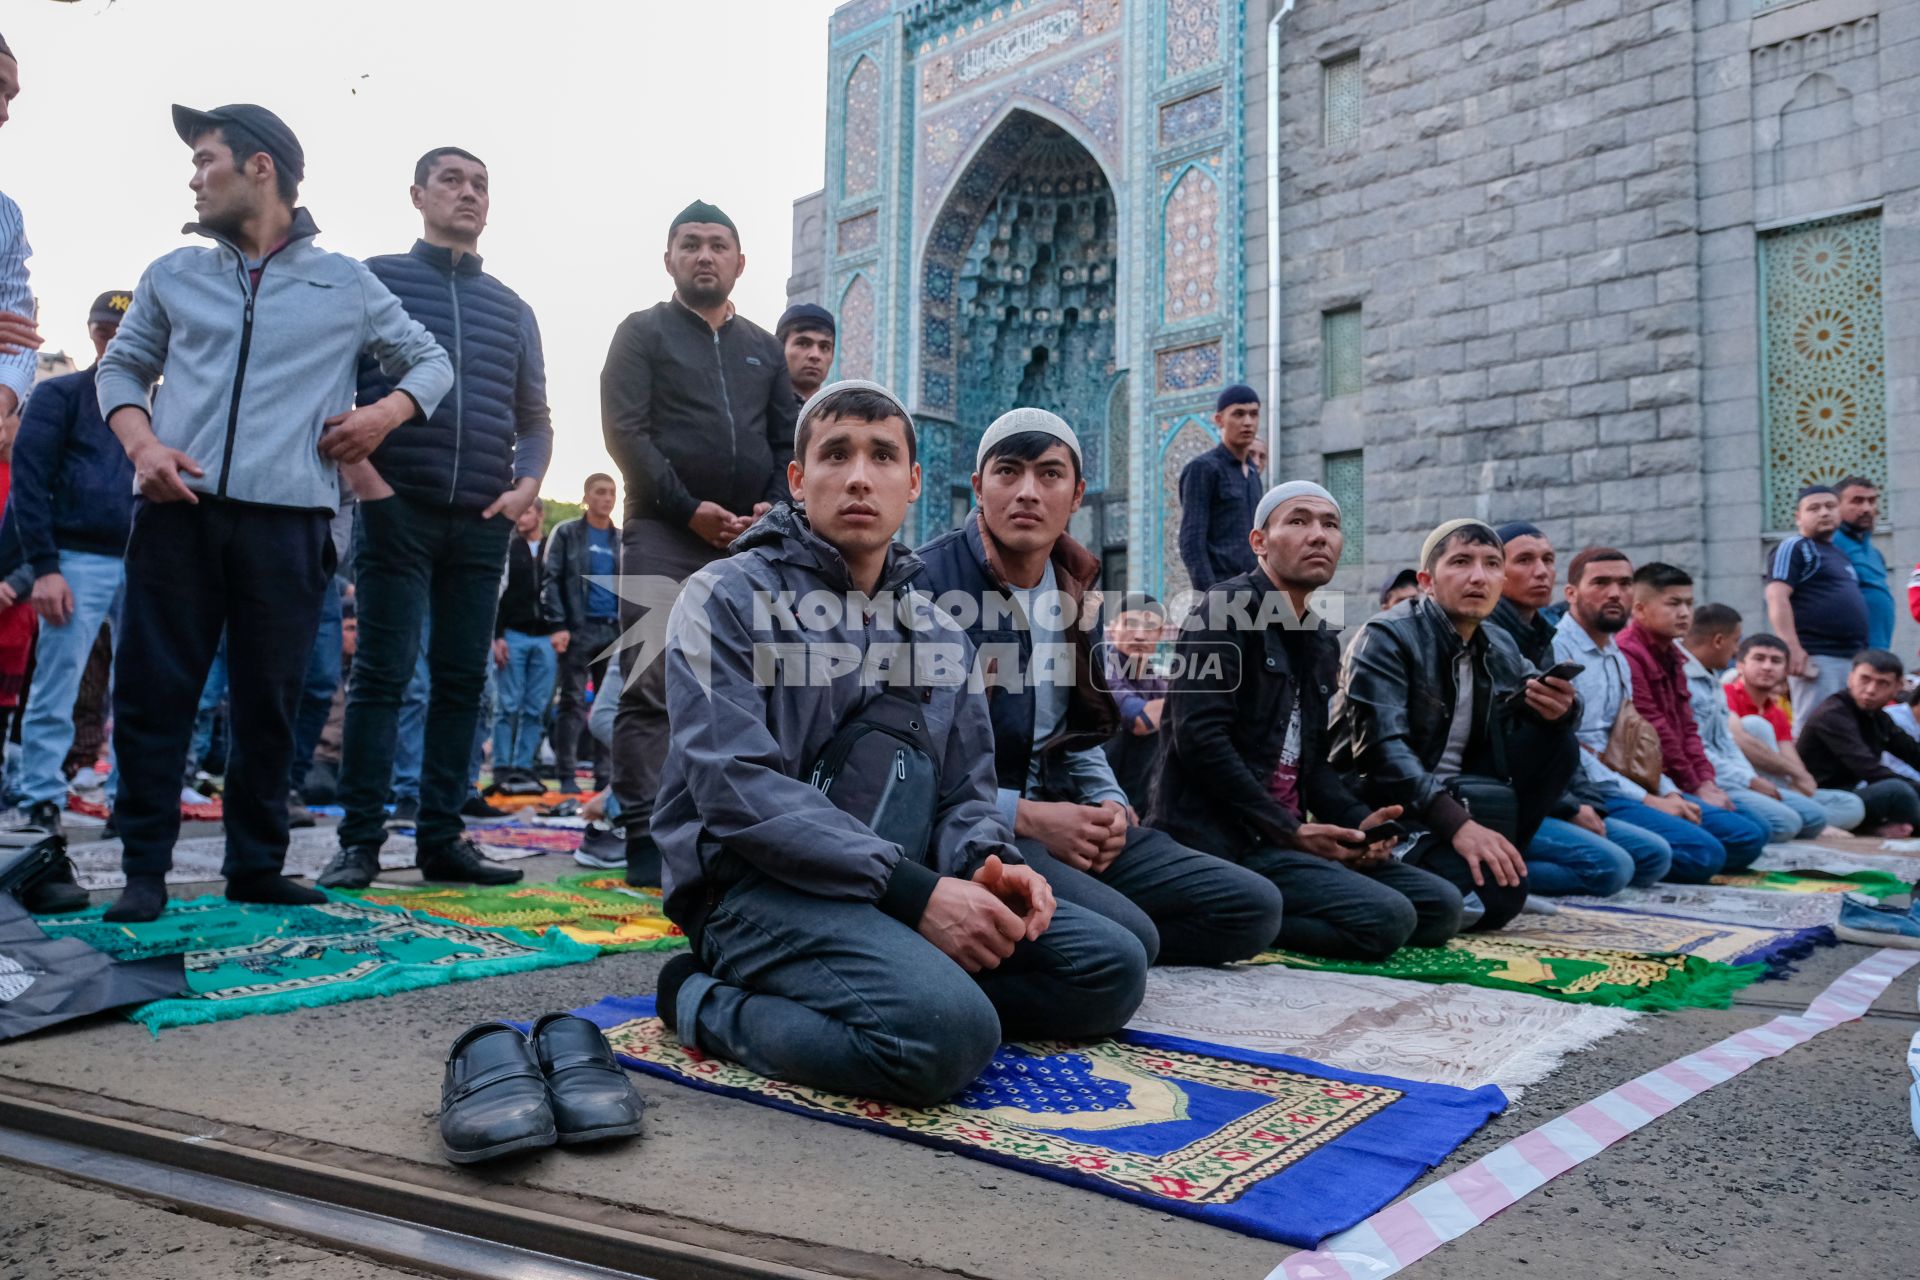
(852, 384)
(1287, 492)
(1016, 422)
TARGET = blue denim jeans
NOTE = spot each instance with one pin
(1721, 841)
(1566, 858)
(523, 688)
(1791, 817)
(838, 995)
(410, 733)
(316, 694)
(46, 730)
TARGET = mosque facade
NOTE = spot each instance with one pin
(1631, 269)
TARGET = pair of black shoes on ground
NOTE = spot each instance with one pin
(507, 1091)
(55, 891)
(460, 862)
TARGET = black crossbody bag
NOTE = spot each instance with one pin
(879, 767)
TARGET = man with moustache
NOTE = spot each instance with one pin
(822, 953)
(698, 410)
(1815, 602)
(1859, 513)
(1578, 849)
(1246, 759)
(1025, 585)
(1218, 492)
(1440, 715)
(259, 337)
(438, 502)
(1599, 592)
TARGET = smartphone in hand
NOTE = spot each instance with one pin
(1389, 830)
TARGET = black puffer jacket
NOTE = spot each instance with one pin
(1226, 723)
(494, 427)
(1395, 706)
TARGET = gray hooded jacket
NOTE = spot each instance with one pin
(253, 373)
(735, 794)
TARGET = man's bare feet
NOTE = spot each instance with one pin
(1894, 830)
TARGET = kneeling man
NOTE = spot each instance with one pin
(1246, 757)
(822, 955)
(1024, 586)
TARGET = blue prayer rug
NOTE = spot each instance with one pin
(1260, 1143)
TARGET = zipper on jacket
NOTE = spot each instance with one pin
(240, 366)
(459, 390)
(726, 402)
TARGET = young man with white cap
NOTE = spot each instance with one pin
(1443, 717)
(824, 952)
(1019, 585)
(1246, 756)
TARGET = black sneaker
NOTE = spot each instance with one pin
(476, 806)
(406, 812)
(55, 893)
(354, 867)
(462, 863)
(45, 816)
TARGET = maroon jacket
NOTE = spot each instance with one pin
(1660, 696)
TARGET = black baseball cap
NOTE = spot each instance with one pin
(275, 138)
(110, 307)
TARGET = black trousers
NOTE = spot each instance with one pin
(414, 560)
(194, 569)
(587, 655)
(1540, 761)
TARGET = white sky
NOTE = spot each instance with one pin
(598, 120)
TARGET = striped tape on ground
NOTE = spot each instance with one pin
(1408, 1230)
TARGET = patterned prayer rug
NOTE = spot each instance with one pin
(198, 860)
(1618, 930)
(1260, 1143)
(1812, 857)
(532, 839)
(243, 959)
(1442, 1033)
(1582, 975)
(600, 910)
(1875, 884)
(206, 809)
(1762, 908)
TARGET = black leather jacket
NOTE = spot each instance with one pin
(1226, 723)
(1395, 706)
(564, 592)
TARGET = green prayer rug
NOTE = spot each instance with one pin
(1875, 884)
(243, 958)
(1582, 975)
(599, 910)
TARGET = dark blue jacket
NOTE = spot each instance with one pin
(72, 483)
(493, 428)
(1217, 502)
(959, 561)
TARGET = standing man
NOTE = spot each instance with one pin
(68, 513)
(1578, 849)
(698, 412)
(1440, 715)
(1704, 840)
(806, 333)
(1859, 512)
(1814, 602)
(1245, 774)
(438, 501)
(583, 556)
(259, 337)
(1218, 493)
(526, 651)
(19, 338)
(1026, 584)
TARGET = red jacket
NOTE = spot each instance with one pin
(1660, 696)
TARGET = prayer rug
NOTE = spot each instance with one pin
(1441, 1033)
(1762, 908)
(1812, 857)
(601, 910)
(513, 835)
(1875, 884)
(1619, 930)
(1268, 1145)
(1582, 975)
(196, 861)
(243, 959)
(204, 809)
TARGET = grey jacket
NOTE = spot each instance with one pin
(252, 374)
(735, 796)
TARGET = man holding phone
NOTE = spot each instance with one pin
(1246, 757)
(1440, 715)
